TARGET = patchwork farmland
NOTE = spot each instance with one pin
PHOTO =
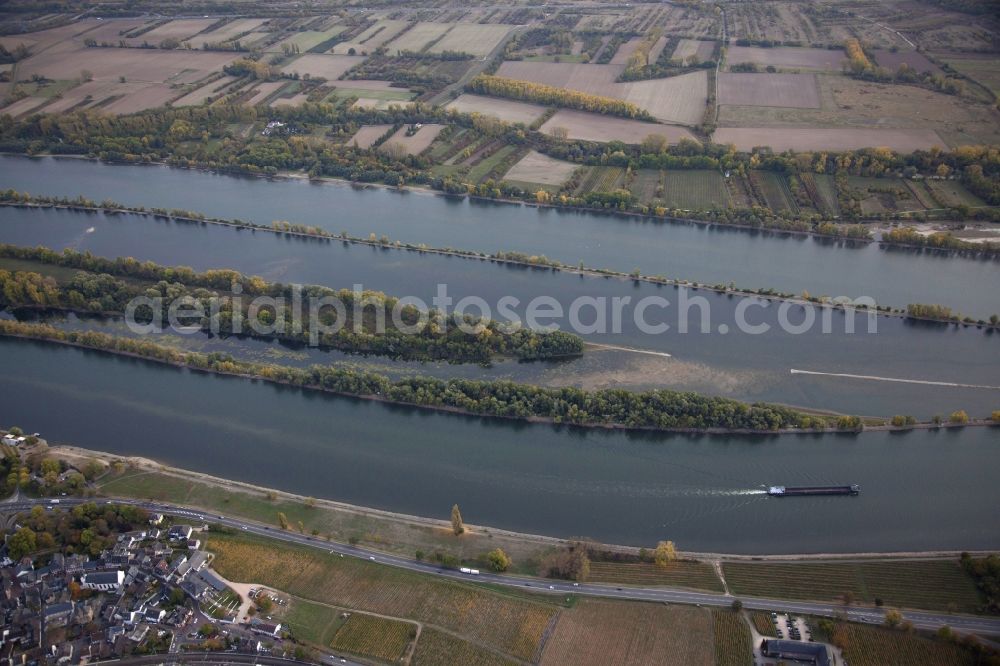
(329, 67)
(787, 57)
(542, 169)
(789, 138)
(510, 111)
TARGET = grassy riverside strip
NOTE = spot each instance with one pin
(663, 410)
(95, 288)
(22, 200)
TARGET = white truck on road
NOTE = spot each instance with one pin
(467, 570)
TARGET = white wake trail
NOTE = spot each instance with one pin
(874, 378)
(630, 349)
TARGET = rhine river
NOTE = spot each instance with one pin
(706, 254)
(920, 490)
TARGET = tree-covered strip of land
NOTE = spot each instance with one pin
(499, 86)
(365, 324)
(655, 409)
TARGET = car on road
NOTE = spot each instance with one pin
(371, 557)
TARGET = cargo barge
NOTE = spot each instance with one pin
(786, 491)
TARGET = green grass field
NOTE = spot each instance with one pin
(59, 273)
(397, 95)
(601, 179)
(950, 193)
(925, 584)
(313, 623)
(480, 170)
(697, 575)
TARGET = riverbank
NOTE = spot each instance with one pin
(501, 257)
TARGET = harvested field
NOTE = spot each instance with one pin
(679, 99)
(686, 48)
(918, 61)
(316, 65)
(417, 37)
(65, 61)
(473, 38)
(508, 110)
(436, 648)
(371, 636)
(372, 38)
(924, 584)
(538, 168)
(263, 91)
(24, 106)
(733, 641)
(801, 139)
(508, 623)
(367, 135)
(696, 575)
(595, 127)
(199, 95)
(309, 39)
(625, 51)
(375, 97)
(181, 30)
(416, 143)
(695, 190)
(787, 57)
(368, 102)
(611, 633)
(147, 97)
(786, 90)
(229, 31)
(877, 646)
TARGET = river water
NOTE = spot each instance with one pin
(920, 490)
(706, 254)
(736, 364)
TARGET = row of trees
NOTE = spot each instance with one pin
(655, 409)
(86, 528)
(527, 91)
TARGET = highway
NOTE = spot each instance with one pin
(871, 615)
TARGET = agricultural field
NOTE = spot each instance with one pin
(308, 39)
(700, 49)
(733, 641)
(375, 95)
(541, 169)
(951, 194)
(415, 143)
(367, 135)
(473, 38)
(228, 32)
(510, 624)
(786, 90)
(877, 646)
(918, 114)
(264, 90)
(376, 637)
(773, 188)
(923, 584)
(67, 61)
(625, 51)
(436, 648)
(691, 190)
(418, 37)
(984, 69)
(199, 95)
(891, 60)
(763, 623)
(615, 633)
(678, 99)
(596, 127)
(695, 575)
(787, 57)
(601, 179)
(822, 189)
(181, 30)
(508, 110)
(371, 38)
(884, 195)
(799, 139)
(329, 67)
